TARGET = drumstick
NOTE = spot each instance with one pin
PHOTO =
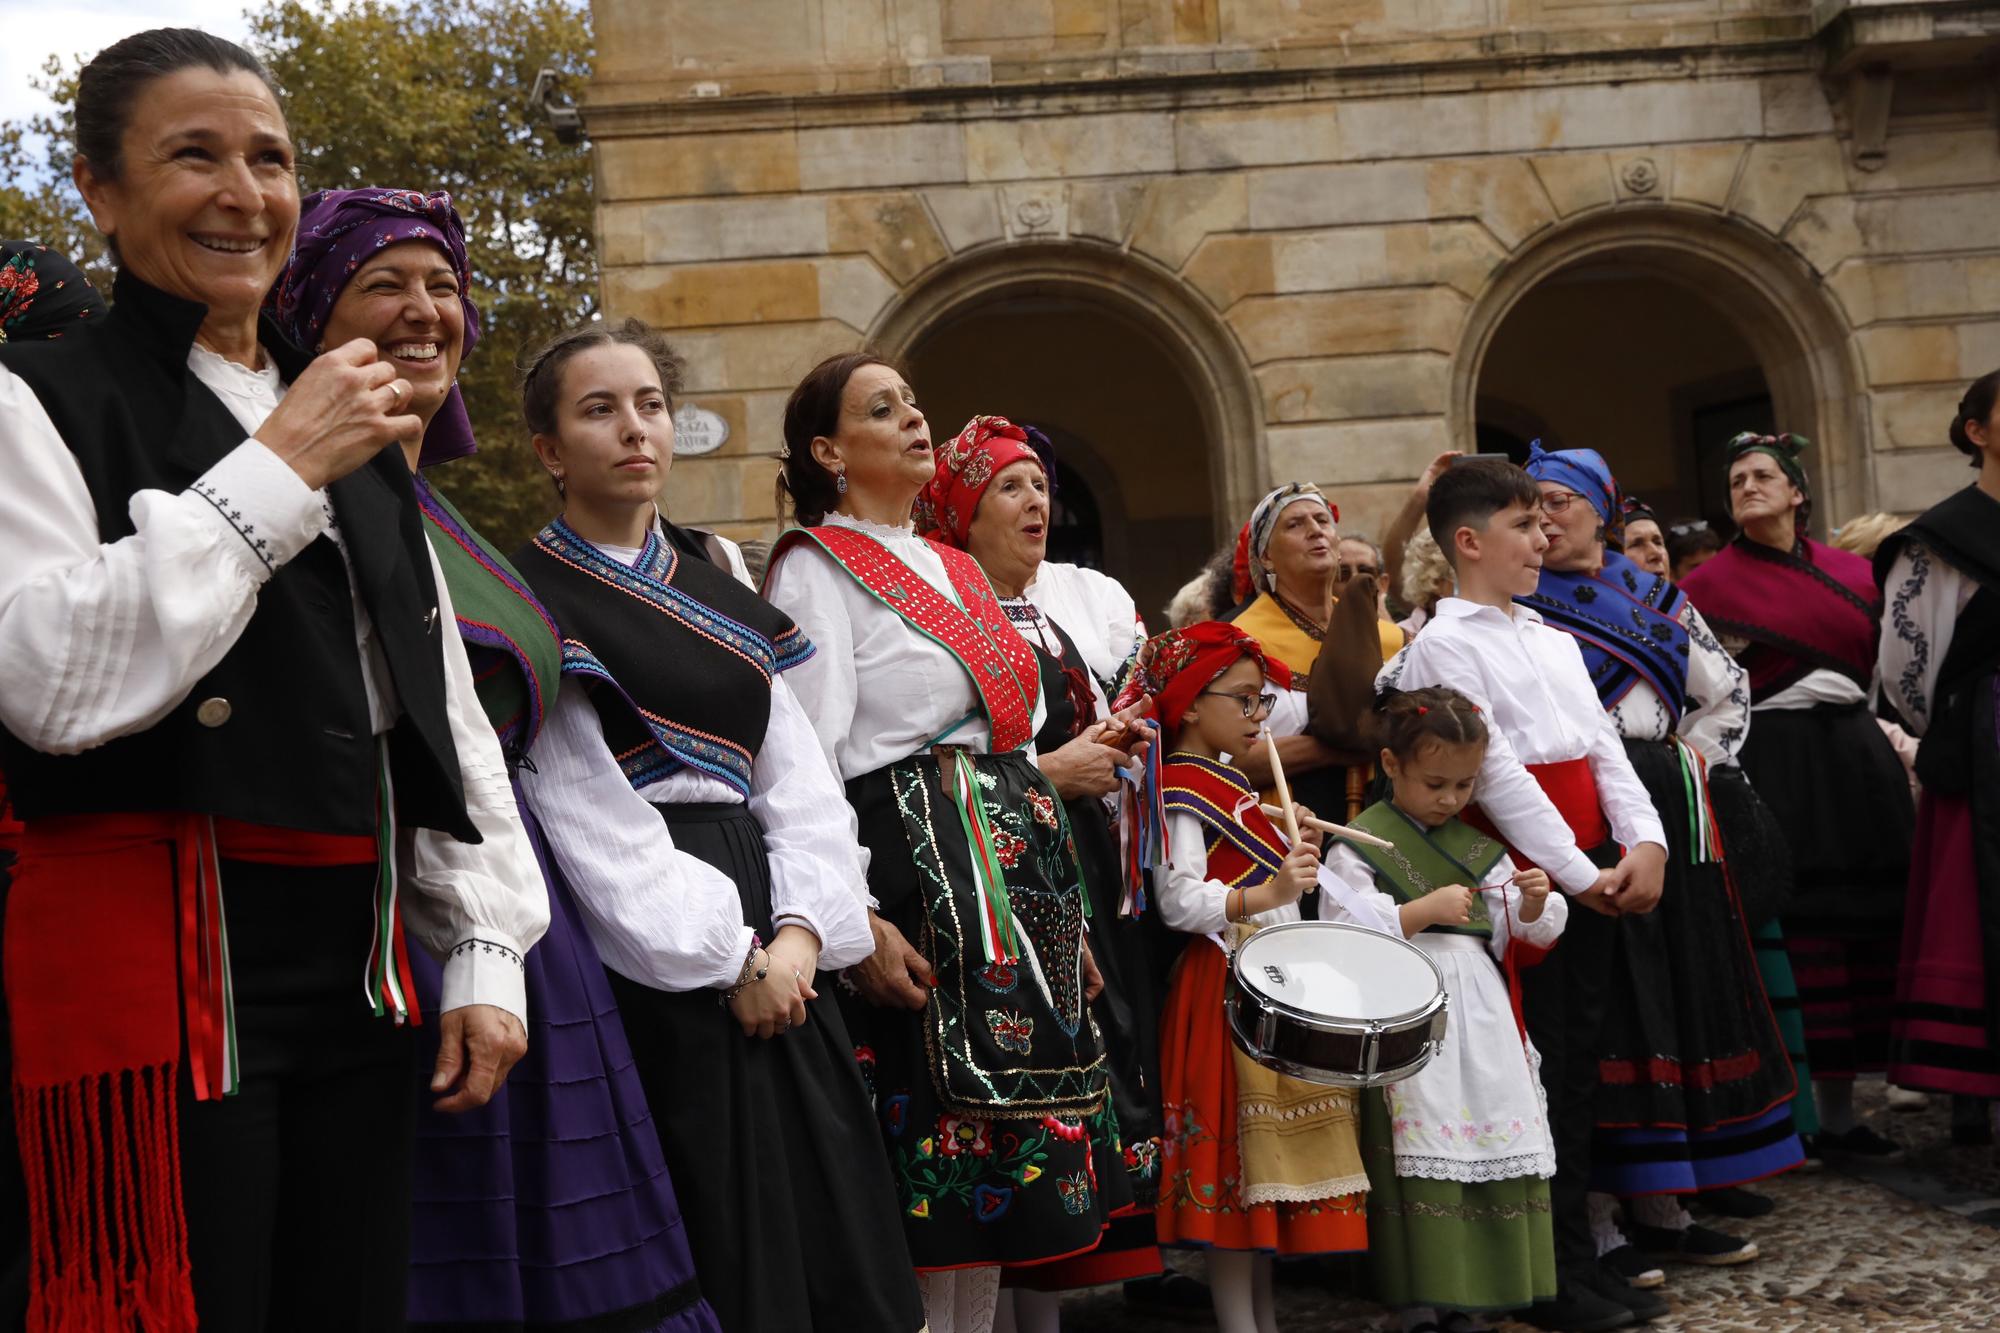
(1278, 781)
(1337, 830)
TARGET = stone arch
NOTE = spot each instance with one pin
(1776, 299)
(1137, 290)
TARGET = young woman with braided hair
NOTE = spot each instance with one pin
(1458, 1209)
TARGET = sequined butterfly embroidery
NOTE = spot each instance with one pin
(1012, 1031)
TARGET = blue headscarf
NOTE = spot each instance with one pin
(1585, 473)
(1625, 619)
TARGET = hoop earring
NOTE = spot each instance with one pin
(840, 482)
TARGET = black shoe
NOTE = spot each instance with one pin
(1860, 1144)
(1171, 1295)
(1578, 1310)
(1634, 1267)
(1971, 1122)
(1645, 1306)
(1735, 1201)
(1696, 1245)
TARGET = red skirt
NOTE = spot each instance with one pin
(1941, 1040)
(1200, 1176)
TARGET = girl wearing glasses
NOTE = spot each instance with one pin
(1231, 1181)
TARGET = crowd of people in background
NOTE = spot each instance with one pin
(605, 935)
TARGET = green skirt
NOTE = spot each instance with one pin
(1776, 967)
(1455, 1246)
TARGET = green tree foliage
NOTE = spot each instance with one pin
(424, 95)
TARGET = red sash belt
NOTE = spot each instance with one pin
(115, 935)
(1572, 788)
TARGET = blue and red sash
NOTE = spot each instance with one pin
(1244, 847)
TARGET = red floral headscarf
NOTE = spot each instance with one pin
(966, 466)
(1176, 666)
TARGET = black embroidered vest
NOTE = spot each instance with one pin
(293, 746)
(677, 656)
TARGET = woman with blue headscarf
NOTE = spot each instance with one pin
(1695, 1088)
(551, 1206)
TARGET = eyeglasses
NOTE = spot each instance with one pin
(1683, 529)
(1251, 704)
(1555, 502)
(1355, 571)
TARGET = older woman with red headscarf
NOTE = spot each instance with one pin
(973, 1019)
(990, 497)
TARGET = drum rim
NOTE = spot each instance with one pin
(1320, 1022)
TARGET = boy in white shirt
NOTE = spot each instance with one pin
(1557, 788)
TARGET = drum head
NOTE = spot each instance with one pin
(1335, 970)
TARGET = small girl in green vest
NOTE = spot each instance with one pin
(1460, 1155)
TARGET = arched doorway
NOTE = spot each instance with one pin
(1653, 338)
(1155, 431)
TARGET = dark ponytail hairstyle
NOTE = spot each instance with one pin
(541, 367)
(107, 87)
(1437, 714)
(1977, 405)
(813, 410)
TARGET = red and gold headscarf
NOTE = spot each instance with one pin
(966, 466)
(1173, 668)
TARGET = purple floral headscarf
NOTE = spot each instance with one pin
(338, 231)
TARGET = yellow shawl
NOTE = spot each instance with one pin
(1266, 622)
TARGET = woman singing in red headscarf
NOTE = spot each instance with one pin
(991, 498)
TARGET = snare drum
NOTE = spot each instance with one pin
(1335, 1004)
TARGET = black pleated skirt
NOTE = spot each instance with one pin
(1689, 1039)
(772, 1144)
(1838, 791)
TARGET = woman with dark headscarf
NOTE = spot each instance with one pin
(225, 694)
(549, 1207)
(1802, 619)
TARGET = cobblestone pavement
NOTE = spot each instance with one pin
(1911, 1247)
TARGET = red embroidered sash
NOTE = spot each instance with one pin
(113, 938)
(1005, 674)
(1244, 846)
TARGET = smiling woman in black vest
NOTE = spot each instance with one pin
(245, 751)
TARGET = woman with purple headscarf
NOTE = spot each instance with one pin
(550, 1208)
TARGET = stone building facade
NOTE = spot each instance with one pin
(1210, 244)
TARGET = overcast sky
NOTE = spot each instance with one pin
(37, 28)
